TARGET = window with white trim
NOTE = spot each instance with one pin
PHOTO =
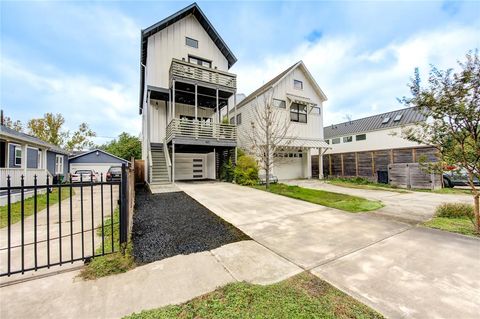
(239, 119)
(336, 140)
(297, 84)
(361, 137)
(347, 139)
(199, 61)
(191, 42)
(58, 164)
(281, 104)
(18, 156)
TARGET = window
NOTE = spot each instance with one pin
(239, 119)
(361, 137)
(316, 110)
(298, 113)
(347, 139)
(397, 118)
(386, 120)
(232, 120)
(279, 103)
(199, 61)
(336, 140)
(18, 156)
(298, 84)
(58, 164)
(191, 42)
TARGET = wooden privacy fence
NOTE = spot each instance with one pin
(139, 168)
(411, 175)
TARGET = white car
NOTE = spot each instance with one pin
(84, 175)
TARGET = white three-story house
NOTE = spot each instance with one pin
(184, 84)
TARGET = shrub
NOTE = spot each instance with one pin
(227, 173)
(246, 171)
(455, 210)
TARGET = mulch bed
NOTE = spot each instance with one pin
(165, 225)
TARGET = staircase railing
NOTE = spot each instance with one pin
(167, 159)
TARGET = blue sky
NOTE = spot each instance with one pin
(82, 58)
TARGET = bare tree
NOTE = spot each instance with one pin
(268, 134)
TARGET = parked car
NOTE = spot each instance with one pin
(271, 178)
(114, 173)
(84, 175)
(458, 177)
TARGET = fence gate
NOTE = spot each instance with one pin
(50, 224)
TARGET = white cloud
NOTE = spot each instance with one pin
(359, 81)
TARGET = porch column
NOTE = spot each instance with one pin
(218, 113)
(24, 160)
(196, 102)
(228, 115)
(173, 162)
(169, 113)
(320, 163)
(309, 163)
(173, 99)
(234, 108)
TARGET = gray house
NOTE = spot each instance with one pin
(23, 154)
(96, 160)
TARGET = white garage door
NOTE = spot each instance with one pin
(289, 169)
(190, 166)
(99, 168)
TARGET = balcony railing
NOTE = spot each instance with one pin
(200, 130)
(186, 70)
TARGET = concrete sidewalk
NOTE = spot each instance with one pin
(169, 281)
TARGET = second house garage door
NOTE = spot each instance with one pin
(190, 166)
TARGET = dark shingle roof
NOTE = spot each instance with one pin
(30, 139)
(266, 86)
(373, 123)
(202, 19)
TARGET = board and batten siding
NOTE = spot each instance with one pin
(169, 43)
(51, 162)
(313, 129)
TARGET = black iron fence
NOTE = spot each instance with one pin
(58, 223)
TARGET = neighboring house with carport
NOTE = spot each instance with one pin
(23, 154)
(298, 99)
(364, 147)
(97, 160)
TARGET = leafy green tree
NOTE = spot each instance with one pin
(48, 128)
(451, 102)
(81, 139)
(14, 125)
(125, 146)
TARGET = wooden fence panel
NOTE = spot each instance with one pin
(326, 168)
(349, 167)
(336, 165)
(403, 156)
(382, 159)
(429, 153)
(314, 161)
(365, 164)
(139, 168)
(411, 175)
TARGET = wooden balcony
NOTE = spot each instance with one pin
(181, 70)
(201, 133)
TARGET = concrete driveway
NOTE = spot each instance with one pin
(409, 206)
(399, 269)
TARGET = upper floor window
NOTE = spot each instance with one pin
(347, 139)
(18, 156)
(199, 61)
(232, 120)
(191, 42)
(279, 103)
(239, 119)
(336, 140)
(361, 137)
(298, 113)
(297, 84)
(386, 120)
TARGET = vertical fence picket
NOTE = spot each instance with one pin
(111, 216)
(9, 224)
(48, 220)
(59, 220)
(35, 221)
(71, 220)
(101, 205)
(22, 208)
(91, 208)
(81, 215)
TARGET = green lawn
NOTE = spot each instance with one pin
(16, 208)
(344, 202)
(302, 296)
(446, 191)
(110, 264)
(456, 225)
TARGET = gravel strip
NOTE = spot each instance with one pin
(168, 224)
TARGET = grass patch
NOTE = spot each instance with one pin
(454, 217)
(362, 183)
(344, 202)
(302, 296)
(446, 191)
(112, 263)
(29, 203)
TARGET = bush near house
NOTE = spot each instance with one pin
(246, 171)
(454, 217)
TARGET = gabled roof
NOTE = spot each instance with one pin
(97, 150)
(273, 82)
(35, 141)
(372, 123)
(204, 22)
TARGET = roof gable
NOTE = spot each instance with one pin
(30, 139)
(277, 79)
(104, 154)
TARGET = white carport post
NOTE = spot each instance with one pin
(309, 163)
(173, 161)
(320, 163)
